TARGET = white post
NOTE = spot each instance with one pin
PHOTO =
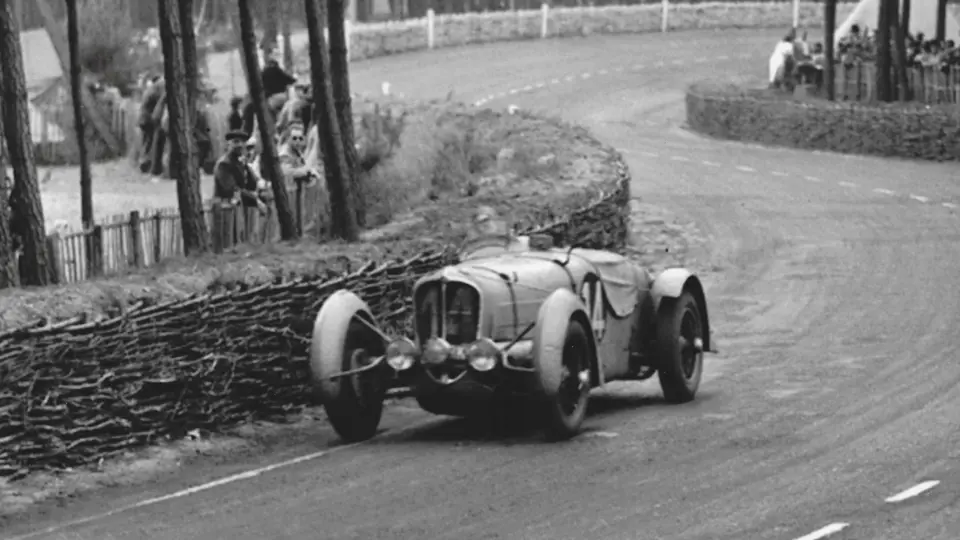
(348, 35)
(796, 13)
(544, 18)
(431, 21)
(665, 16)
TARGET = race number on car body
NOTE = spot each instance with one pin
(592, 295)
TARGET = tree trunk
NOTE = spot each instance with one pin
(905, 17)
(76, 85)
(285, 31)
(343, 102)
(271, 29)
(196, 238)
(903, 80)
(325, 118)
(829, 30)
(265, 123)
(884, 56)
(941, 20)
(8, 259)
(191, 80)
(25, 195)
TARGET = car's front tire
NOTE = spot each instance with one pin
(565, 408)
(680, 339)
(342, 342)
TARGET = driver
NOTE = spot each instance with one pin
(488, 223)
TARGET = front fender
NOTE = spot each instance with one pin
(549, 334)
(673, 282)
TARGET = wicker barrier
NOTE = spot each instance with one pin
(915, 131)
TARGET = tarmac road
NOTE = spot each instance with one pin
(834, 292)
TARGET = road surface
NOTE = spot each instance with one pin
(834, 291)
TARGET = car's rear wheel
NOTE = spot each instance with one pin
(680, 338)
(566, 408)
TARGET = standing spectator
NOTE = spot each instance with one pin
(154, 94)
(298, 109)
(235, 118)
(231, 177)
(276, 82)
(781, 62)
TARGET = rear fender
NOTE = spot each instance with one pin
(673, 282)
(549, 333)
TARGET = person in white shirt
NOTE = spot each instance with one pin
(781, 60)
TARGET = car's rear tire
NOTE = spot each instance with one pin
(565, 408)
(342, 342)
(680, 338)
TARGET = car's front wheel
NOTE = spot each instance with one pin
(680, 338)
(566, 407)
(343, 342)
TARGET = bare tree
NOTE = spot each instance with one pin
(76, 87)
(342, 216)
(884, 53)
(941, 20)
(25, 195)
(196, 238)
(900, 54)
(191, 79)
(829, 29)
(340, 79)
(265, 122)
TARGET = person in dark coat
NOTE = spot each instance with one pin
(231, 188)
(154, 94)
(276, 82)
(235, 118)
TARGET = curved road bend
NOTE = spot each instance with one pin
(834, 292)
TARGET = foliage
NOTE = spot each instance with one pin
(906, 130)
(110, 46)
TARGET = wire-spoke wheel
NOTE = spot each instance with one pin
(680, 347)
(566, 409)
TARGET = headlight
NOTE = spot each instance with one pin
(401, 354)
(436, 351)
(483, 355)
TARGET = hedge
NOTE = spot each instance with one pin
(914, 131)
(75, 391)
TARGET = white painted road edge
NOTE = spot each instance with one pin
(246, 475)
(913, 492)
(824, 532)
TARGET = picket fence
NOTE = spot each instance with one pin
(128, 242)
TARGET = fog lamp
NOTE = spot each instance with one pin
(401, 354)
(436, 351)
(483, 354)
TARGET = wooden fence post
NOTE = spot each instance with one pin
(157, 237)
(95, 255)
(135, 258)
(55, 262)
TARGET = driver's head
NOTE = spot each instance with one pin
(487, 222)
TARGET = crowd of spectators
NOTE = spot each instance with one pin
(860, 46)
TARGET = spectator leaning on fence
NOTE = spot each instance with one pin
(232, 182)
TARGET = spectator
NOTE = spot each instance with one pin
(232, 180)
(292, 160)
(781, 62)
(235, 118)
(276, 82)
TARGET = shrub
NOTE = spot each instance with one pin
(907, 130)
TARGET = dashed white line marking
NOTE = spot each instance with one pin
(603, 72)
(919, 198)
(812, 179)
(513, 92)
(847, 184)
(586, 76)
(569, 78)
(677, 62)
(555, 81)
(501, 94)
(744, 168)
(637, 66)
(723, 57)
(948, 205)
(619, 69)
(539, 85)
(659, 64)
(650, 154)
(527, 88)
(710, 163)
(780, 173)
(914, 491)
(883, 191)
(824, 532)
(679, 158)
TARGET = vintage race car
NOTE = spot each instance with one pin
(517, 321)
